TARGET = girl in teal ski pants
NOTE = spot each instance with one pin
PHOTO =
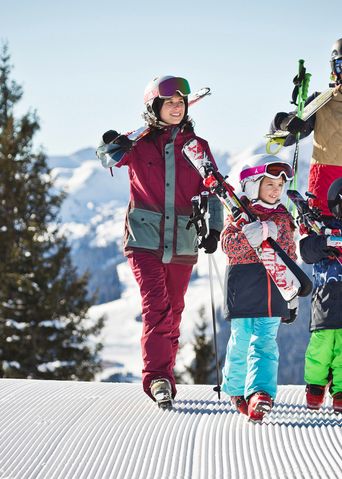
(252, 357)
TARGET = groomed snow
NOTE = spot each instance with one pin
(78, 430)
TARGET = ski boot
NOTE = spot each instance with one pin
(337, 402)
(259, 404)
(162, 392)
(240, 404)
(315, 395)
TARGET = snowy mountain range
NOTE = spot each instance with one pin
(92, 217)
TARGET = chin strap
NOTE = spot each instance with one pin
(266, 205)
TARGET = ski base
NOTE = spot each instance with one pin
(288, 284)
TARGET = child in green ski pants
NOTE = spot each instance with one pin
(323, 357)
(324, 353)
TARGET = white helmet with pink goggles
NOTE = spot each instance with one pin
(166, 87)
(264, 165)
(162, 87)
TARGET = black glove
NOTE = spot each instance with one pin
(328, 251)
(293, 124)
(278, 119)
(210, 242)
(112, 136)
(292, 318)
(293, 311)
(332, 252)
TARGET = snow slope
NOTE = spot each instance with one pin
(77, 430)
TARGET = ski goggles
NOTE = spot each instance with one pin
(168, 87)
(338, 66)
(271, 170)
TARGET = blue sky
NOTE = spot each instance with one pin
(84, 64)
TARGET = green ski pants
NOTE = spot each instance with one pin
(324, 354)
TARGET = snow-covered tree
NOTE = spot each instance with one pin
(45, 331)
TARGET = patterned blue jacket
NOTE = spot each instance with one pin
(326, 302)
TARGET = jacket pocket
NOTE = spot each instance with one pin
(144, 229)
(186, 239)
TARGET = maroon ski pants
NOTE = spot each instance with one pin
(162, 289)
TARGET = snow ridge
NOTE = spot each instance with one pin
(69, 430)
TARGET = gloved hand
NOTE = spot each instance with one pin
(112, 136)
(293, 310)
(210, 242)
(331, 252)
(293, 124)
(277, 121)
(325, 250)
(254, 232)
(292, 318)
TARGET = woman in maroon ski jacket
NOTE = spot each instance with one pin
(160, 250)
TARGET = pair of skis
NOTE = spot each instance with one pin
(290, 280)
(310, 221)
(279, 136)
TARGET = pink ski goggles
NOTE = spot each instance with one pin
(170, 86)
(272, 170)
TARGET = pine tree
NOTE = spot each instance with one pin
(45, 331)
(203, 365)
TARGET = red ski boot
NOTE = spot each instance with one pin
(337, 402)
(315, 395)
(259, 404)
(240, 404)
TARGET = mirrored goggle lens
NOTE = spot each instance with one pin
(338, 66)
(275, 170)
(170, 86)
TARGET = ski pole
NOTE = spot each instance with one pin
(206, 215)
(200, 218)
(217, 388)
(299, 97)
(218, 274)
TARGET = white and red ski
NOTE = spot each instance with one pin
(290, 280)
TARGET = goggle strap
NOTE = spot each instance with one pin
(262, 170)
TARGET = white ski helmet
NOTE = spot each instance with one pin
(263, 165)
(161, 88)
